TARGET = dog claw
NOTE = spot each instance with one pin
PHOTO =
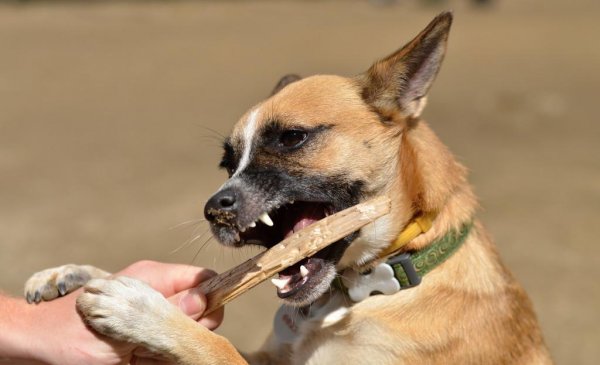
(62, 288)
(56, 282)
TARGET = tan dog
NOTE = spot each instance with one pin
(319, 145)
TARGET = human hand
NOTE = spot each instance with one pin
(178, 283)
(64, 338)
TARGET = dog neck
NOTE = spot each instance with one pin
(401, 271)
(418, 226)
(405, 269)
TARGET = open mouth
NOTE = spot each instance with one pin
(299, 281)
(294, 278)
(272, 227)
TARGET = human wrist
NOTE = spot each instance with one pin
(47, 333)
(15, 338)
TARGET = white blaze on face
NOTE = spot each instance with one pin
(248, 135)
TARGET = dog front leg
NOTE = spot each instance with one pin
(58, 281)
(129, 310)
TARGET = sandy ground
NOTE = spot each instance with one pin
(111, 116)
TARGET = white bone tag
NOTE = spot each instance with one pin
(380, 279)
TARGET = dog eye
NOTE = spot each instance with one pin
(292, 138)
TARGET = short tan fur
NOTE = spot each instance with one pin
(468, 310)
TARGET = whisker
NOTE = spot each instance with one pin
(190, 222)
(200, 249)
(208, 241)
(213, 138)
(191, 240)
(195, 231)
(212, 130)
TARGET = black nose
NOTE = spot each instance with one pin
(223, 201)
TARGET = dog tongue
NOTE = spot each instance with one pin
(304, 217)
(302, 223)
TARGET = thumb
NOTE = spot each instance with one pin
(191, 302)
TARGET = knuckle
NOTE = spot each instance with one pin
(142, 265)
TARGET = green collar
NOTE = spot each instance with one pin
(407, 268)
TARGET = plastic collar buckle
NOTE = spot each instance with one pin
(405, 261)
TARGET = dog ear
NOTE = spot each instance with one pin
(285, 81)
(400, 82)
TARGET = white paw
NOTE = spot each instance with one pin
(58, 281)
(128, 310)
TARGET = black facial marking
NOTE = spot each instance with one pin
(338, 190)
(277, 182)
(228, 162)
(261, 189)
(276, 135)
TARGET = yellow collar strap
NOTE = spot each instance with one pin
(419, 225)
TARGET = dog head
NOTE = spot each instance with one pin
(322, 144)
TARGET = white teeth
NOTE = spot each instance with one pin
(280, 283)
(303, 271)
(252, 225)
(266, 219)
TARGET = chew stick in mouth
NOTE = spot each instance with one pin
(225, 287)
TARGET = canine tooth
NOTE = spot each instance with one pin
(266, 219)
(252, 225)
(303, 271)
(280, 283)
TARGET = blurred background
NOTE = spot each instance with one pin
(112, 115)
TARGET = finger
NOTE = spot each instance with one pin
(192, 302)
(214, 319)
(167, 278)
(189, 276)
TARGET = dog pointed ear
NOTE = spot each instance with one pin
(285, 81)
(400, 82)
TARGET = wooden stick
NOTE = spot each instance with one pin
(225, 287)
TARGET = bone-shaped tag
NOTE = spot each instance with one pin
(380, 279)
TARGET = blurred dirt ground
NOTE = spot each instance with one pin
(111, 116)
